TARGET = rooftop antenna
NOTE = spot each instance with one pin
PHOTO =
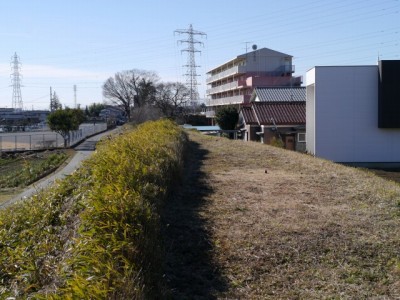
(246, 43)
(16, 83)
(191, 75)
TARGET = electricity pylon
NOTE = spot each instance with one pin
(191, 74)
(16, 82)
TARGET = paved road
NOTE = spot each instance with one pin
(83, 151)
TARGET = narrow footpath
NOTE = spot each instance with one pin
(83, 151)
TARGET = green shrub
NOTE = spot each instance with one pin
(227, 117)
(96, 234)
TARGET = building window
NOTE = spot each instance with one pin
(301, 137)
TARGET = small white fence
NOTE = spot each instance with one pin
(22, 141)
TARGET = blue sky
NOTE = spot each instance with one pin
(66, 43)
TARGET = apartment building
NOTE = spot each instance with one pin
(233, 82)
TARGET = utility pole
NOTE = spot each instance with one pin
(51, 100)
(16, 83)
(191, 74)
(75, 95)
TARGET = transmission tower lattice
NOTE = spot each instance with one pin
(16, 82)
(191, 74)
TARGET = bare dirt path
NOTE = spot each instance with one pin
(256, 222)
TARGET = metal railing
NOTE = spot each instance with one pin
(228, 72)
(23, 141)
(229, 100)
(224, 87)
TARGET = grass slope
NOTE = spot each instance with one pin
(95, 234)
(247, 221)
(252, 221)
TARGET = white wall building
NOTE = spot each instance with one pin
(342, 111)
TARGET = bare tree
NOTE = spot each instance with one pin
(129, 89)
(171, 98)
(145, 113)
(55, 103)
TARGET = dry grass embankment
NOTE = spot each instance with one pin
(95, 234)
(305, 229)
(252, 221)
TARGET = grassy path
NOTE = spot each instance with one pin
(251, 221)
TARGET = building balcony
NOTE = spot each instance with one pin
(288, 69)
(226, 87)
(229, 100)
(229, 72)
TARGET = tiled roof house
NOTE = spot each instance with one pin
(278, 94)
(273, 114)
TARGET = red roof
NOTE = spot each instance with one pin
(280, 113)
(248, 115)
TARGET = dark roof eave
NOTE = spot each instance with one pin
(284, 124)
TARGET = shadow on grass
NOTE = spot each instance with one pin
(189, 269)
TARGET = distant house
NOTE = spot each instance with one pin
(113, 114)
(353, 113)
(275, 114)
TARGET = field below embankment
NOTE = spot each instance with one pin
(252, 221)
(18, 170)
(235, 221)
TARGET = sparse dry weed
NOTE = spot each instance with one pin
(285, 225)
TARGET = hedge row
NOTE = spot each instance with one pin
(96, 233)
